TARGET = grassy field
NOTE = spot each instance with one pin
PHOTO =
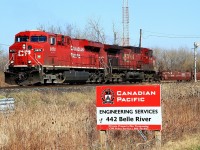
(60, 120)
(2, 83)
(187, 142)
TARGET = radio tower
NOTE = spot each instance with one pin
(125, 21)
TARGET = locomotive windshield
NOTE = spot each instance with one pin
(21, 39)
(38, 38)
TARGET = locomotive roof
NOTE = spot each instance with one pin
(131, 47)
(30, 32)
(113, 47)
(134, 47)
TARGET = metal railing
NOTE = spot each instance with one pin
(7, 104)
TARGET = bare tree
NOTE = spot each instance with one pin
(3, 59)
(41, 27)
(94, 31)
(159, 59)
(174, 59)
(69, 30)
(53, 29)
(117, 37)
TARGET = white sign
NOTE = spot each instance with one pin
(129, 108)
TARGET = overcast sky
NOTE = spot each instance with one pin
(165, 23)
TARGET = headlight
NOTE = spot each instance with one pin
(12, 61)
(37, 50)
(29, 61)
(12, 51)
(24, 46)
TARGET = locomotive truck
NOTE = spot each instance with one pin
(39, 57)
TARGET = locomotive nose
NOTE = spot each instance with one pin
(25, 54)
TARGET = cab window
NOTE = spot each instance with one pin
(21, 39)
(52, 40)
(38, 38)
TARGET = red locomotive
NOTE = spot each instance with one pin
(42, 57)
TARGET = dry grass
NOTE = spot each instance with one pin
(49, 121)
(2, 83)
(56, 120)
(187, 142)
(181, 108)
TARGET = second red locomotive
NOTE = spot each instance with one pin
(43, 57)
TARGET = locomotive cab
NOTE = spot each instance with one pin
(26, 57)
(27, 51)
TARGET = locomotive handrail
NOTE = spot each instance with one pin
(6, 66)
(104, 65)
(110, 68)
(36, 60)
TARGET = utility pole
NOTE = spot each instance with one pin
(196, 45)
(115, 38)
(115, 35)
(140, 42)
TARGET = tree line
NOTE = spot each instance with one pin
(181, 59)
(3, 59)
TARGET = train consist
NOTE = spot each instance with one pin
(43, 57)
(39, 57)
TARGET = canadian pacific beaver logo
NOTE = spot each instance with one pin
(107, 96)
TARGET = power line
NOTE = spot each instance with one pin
(172, 36)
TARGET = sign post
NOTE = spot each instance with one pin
(103, 139)
(129, 107)
(158, 139)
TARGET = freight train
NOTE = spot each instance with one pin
(39, 57)
(178, 76)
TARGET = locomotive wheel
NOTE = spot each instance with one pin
(100, 78)
(106, 80)
(21, 77)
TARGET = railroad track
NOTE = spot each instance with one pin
(61, 88)
(70, 88)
